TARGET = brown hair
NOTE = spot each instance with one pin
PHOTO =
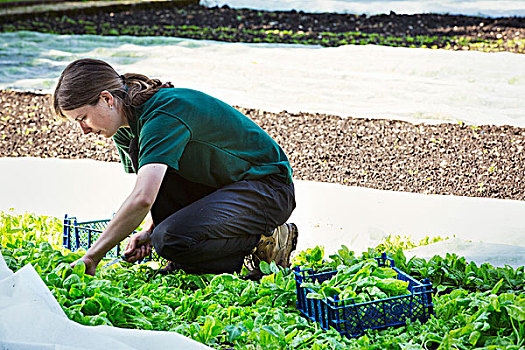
(83, 80)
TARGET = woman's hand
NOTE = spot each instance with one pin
(91, 264)
(139, 246)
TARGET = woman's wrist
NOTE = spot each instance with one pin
(146, 236)
(93, 256)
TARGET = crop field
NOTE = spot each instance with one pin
(475, 306)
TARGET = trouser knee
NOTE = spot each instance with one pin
(173, 241)
(158, 241)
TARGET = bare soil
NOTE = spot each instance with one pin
(452, 159)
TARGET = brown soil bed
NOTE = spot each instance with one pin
(486, 161)
(392, 24)
(455, 32)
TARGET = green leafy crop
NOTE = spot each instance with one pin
(363, 281)
(227, 312)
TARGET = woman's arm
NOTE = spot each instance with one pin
(129, 216)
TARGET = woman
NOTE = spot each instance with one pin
(212, 185)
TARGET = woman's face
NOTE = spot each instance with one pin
(104, 118)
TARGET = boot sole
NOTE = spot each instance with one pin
(294, 235)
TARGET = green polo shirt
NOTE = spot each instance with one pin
(202, 138)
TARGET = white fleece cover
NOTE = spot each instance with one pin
(363, 81)
(31, 318)
(372, 7)
(327, 214)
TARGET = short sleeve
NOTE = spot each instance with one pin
(163, 139)
(122, 139)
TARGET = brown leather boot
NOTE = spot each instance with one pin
(279, 246)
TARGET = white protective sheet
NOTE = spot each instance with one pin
(31, 318)
(326, 214)
(462, 7)
(364, 81)
(480, 252)
(481, 229)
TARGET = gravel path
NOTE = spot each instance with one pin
(486, 161)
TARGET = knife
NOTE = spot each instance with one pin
(116, 260)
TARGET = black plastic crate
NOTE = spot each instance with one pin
(78, 235)
(350, 318)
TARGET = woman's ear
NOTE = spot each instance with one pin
(107, 97)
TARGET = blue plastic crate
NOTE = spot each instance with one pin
(78, 235)
(350, 318)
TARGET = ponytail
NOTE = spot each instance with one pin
(83, 80)
(139, 89)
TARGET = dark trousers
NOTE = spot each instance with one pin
(207, 230)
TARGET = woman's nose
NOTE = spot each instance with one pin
(85, 129)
